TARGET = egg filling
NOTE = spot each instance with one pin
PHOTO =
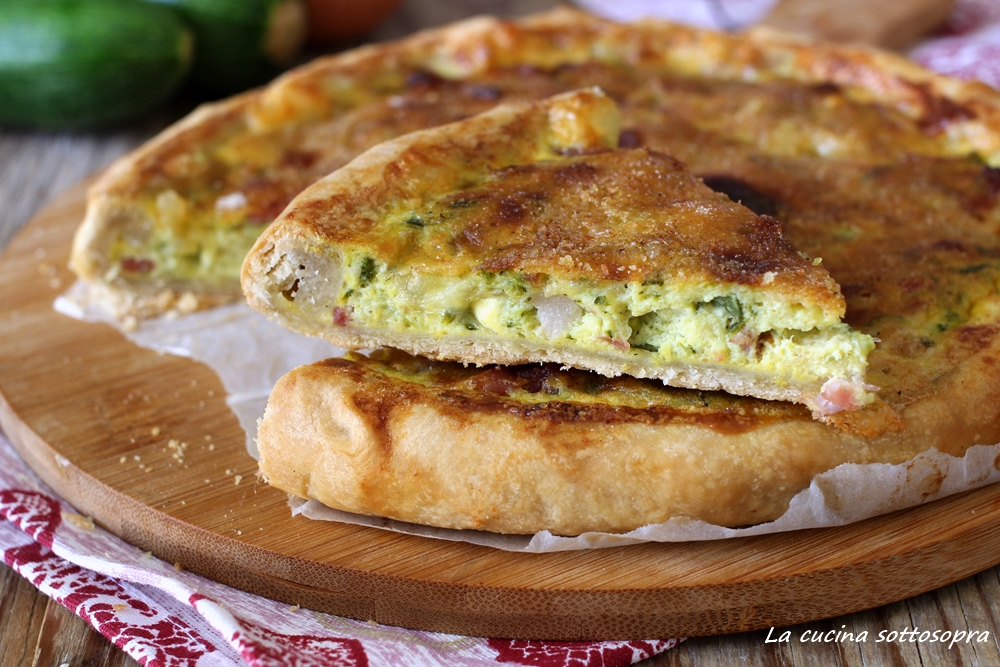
(638, 323)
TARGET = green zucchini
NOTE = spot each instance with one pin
(86, 63)
(241, 43)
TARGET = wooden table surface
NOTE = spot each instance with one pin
(34, 167)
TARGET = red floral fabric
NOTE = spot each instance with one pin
(577, 654)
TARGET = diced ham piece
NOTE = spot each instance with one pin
(137, 264)
(620, 343)
(838, 395)
(341, 316)
(746, 339)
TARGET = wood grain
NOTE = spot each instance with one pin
(21, 614)
(978, 596)
(38, 632)
(92, 414)
(66, 639)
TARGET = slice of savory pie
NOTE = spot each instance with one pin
(518, 449)
(524, 235)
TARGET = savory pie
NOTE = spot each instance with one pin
(524, 235)
(883, 169)
(168, 226)
(519, 449)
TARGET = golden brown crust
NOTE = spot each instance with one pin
(130, 172)
(486, 449)
(113, 206)
(968, 110)
(532, 190)
(627, 215)
(497, 200)
(327, 438)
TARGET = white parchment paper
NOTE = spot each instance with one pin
(250, 353)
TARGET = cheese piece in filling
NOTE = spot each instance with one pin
(524, 234)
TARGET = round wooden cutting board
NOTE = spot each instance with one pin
(81, 393)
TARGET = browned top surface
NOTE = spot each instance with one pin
(627, 215)
(271, 166)
(39, 166)
(914, 245)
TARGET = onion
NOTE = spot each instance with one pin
(556, 314)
